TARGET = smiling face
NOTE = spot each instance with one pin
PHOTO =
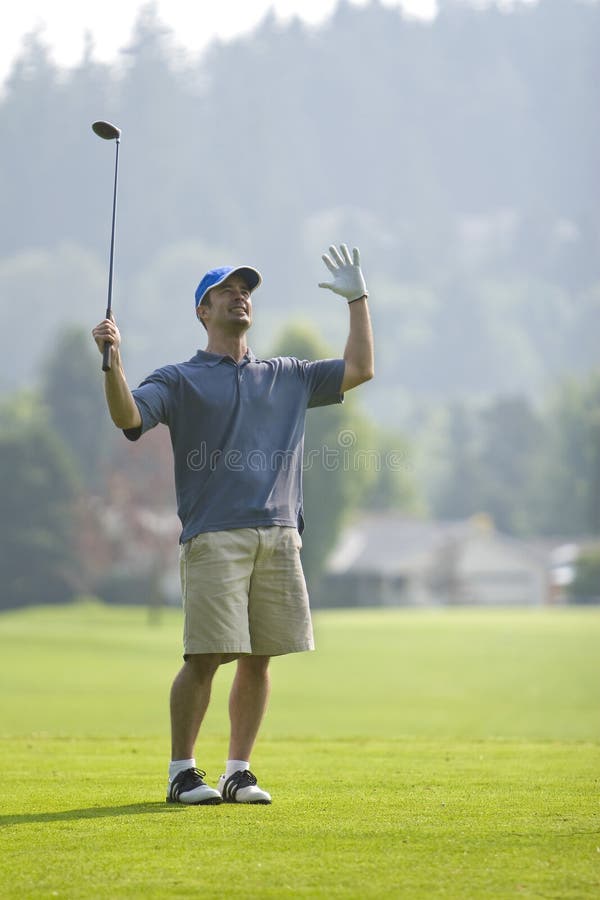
(227, 307)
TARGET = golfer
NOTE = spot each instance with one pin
(237, 430)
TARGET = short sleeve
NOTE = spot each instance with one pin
(152, 399)
(324, 381)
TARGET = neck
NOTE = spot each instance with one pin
(228, 345)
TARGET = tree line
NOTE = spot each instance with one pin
(86, 512)
(460, 155)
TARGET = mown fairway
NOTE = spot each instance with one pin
(416, 754)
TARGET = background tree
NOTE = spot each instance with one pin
(571, 503)
(485, 280)
(496, 264)
(585, 587)
(512, 435)
(73, 392)
(495, 459)
(37, 557)
(459, 493)
(392, 486)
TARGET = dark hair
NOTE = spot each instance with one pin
(204, 302)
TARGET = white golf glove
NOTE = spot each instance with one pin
(348, 280)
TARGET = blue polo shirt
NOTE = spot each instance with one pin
(237, 431)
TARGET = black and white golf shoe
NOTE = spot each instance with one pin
(241, 787)
(189, 787)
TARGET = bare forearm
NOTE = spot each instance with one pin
(121, 405)
(359, 353)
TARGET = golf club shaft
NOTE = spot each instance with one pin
(107, 346)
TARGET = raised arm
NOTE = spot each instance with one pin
(121, 405)
(348, 281)
(359, 353)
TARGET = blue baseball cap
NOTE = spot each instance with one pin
(215, 276)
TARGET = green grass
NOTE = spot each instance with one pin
(416, 754)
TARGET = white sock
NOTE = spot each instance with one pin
(236, 765)
(180, 765)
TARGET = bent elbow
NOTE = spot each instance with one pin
(364, 376)
(124, 423)
(356, 379)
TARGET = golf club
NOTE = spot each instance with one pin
(110, 133)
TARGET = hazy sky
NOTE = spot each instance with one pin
(194, 22)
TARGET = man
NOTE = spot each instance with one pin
(237, 429)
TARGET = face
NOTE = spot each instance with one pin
(230, 305)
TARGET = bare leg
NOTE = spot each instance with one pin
(190, 695)
(247, 703)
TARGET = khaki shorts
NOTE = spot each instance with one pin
(244, 592)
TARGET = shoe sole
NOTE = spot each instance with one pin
(211, 801)
(250, 802)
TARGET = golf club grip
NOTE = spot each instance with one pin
(106, 357)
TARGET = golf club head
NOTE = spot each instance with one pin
(106, 131)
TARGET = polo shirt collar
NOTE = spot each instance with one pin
(213, 359)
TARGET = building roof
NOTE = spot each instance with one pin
(392, 544)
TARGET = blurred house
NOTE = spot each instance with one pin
(385, 559)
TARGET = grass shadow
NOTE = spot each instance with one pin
(92, 812)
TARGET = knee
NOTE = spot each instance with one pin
(203, 665)
(254, 666)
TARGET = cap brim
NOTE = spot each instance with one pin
(252, 277)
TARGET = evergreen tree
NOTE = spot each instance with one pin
(571, 503)
(512, 436)
(73, 392)
(393, 484)
(485, 276)
(460, 491)
(585, 587)
(37, 556)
